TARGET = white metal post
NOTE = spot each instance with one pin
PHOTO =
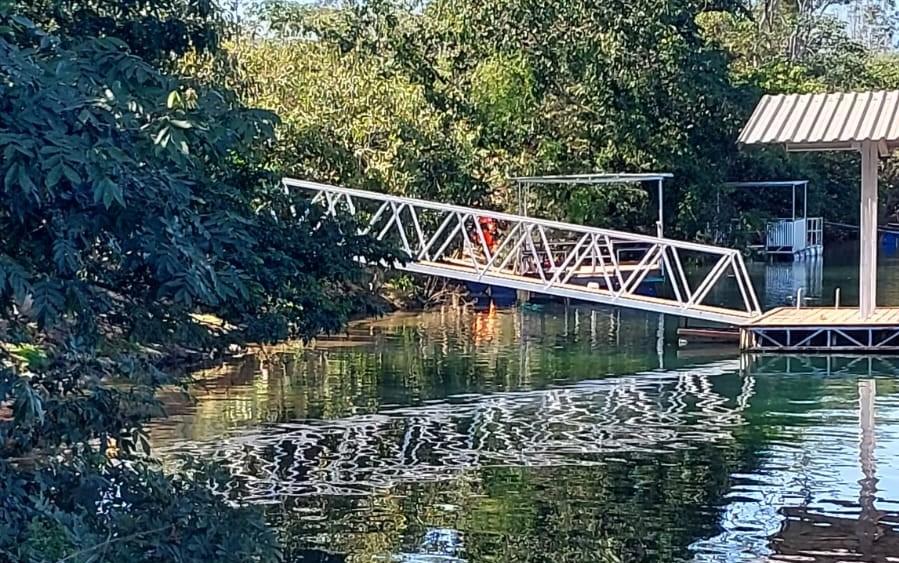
(867, 282)
(794, 203)
(523, 211)
(659, 227)
(805, 243)
(805, 200)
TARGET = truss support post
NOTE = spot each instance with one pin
(523, 296)
(660, 228)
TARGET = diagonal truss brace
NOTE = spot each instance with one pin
(544, 256)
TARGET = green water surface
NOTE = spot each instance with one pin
(559, 433)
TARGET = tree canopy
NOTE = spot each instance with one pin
(136, 204)
(509, 88)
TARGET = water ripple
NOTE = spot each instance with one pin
(574, 425)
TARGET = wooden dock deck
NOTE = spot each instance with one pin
(823, 329)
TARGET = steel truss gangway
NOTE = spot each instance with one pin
(549, 257)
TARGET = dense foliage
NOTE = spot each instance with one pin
(137, 222)
(372, 92)
(343, 120)
(142, 214)
(158, 31)
(495, 89)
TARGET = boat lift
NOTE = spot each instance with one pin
(524, 184)
(797, 236)
(627, 257)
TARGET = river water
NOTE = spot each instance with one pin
(557, 433)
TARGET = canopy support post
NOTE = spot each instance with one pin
(794, 202)
(867, 283)
(659, 227)
(805, 200)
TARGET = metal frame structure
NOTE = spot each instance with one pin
(448, 241)
(799, 236)
(793, 184)
(863, 122)
(821, 338)
(524, 183)
(829, 365)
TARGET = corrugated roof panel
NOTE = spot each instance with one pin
(818, 134)
(890, 105)
(841, 112)
(869, 120)
(814, 103)
(753, 132)
(859, 107)
(855, 106)
(893, 126)
(797, 115)
(833, 120)
(777, 114)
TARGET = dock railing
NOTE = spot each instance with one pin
(814, 232)
(789, 236)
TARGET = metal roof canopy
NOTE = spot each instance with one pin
(767, 184)
(822, 122)
(867, 122)
(779, 184)
(525, 182)
(623, 178)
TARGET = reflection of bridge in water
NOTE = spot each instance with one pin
(800, 503)
(578, 424)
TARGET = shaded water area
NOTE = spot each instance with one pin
(557, 434)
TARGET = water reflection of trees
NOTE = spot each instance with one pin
(412, 359)
(624, 466)
(427, 440)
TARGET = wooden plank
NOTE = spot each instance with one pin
(826, 316)
(770, 314)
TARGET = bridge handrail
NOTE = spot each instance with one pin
(499, 215)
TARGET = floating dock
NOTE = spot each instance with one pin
(823, 329)
(860, 122)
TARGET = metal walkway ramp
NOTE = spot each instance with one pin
(635, 271)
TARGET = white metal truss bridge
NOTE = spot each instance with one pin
(644, 272)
